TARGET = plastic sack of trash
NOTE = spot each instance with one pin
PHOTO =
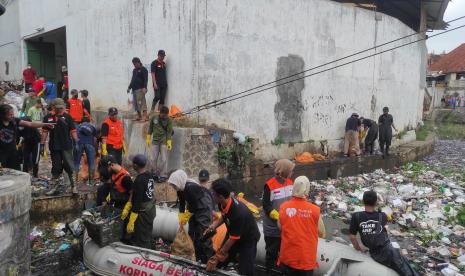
(252, 207)
(305, 158)
(182, 245)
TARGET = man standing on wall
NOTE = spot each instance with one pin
(386, 124)
(139, 88)
(29, 76)
(351, 136)
(160, 84)
(159, 135)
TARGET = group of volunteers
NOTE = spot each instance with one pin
(361, 133)
(292, 224)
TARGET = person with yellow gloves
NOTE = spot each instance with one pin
(142, 208)
(117, 187)
(159, 138)
(113, 136)
(198, 212)
(276, 191)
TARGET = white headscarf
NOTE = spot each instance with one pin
(179, 179)
(301, 187)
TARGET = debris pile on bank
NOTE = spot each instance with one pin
(426, 210)
(57, 248)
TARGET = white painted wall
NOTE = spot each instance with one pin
(216, 48)
(10, 43)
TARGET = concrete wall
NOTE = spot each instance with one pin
(216, 48)
(10, 43)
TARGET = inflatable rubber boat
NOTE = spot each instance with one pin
(334, 258)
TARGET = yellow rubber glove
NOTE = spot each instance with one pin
(241, 195)
(132, 220)
(148, 139)
(126, 210)
(184, 217)
(124, 149)
(108, 198)
(104, 149)
(45, 155)
(169, 144)
(274, 214)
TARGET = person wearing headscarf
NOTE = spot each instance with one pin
(276, 191)
(198, 212)
(301, 226)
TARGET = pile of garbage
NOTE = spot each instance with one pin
(57, 248)
(426, 212)
(11, 93)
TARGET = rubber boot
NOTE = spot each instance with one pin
(72, 184)
(53, 185)
(91, 179)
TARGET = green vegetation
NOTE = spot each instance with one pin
(401, 134)
(451, 131)
(235, 156)
(423, 131)
(277, 141)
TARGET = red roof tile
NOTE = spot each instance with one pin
(452, 62)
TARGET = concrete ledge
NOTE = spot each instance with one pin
(15, 194)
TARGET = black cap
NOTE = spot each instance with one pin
(386, 109)
(112, 111)
(140, 160)
(161, 53)
(74, 92)
(204, 175)
(107, 160)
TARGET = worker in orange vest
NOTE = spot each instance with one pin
(113, 136)
(276, 191)
(76, 108)
(301, 225)
(118, 191)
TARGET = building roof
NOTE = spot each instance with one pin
(451, 62)
(408, 11)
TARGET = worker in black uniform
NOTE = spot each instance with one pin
(143, 210)
(243, 234)
(30, 148)
(386, 123)
(9, 135)
(371, 136)
(118, 191)
(198, 213)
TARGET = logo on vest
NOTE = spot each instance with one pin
(290, 212)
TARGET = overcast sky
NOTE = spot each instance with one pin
(449, 41)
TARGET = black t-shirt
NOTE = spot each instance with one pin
(160, 73)
(60, 135)
(197, 197)
(385, 121)
(139, 78)
(86, 104)
(240, 222)
(142, 190)
(30, 135)
(371, 227)
(8, 135)
(352, 123)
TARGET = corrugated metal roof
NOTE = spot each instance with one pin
(452, 62)
(408, 11)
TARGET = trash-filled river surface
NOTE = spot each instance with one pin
(424, 200)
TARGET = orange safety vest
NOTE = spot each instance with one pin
(115, 133)
(76, 110)
(299, 234)
(118, 178)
